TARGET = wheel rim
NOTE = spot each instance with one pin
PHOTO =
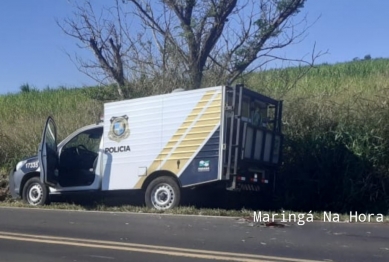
(162, 196)
(35, 194)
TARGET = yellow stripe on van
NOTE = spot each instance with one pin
(169, 147)
(195, 138)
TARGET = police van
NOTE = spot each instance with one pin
(160, 145)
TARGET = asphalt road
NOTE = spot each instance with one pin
(49, 235)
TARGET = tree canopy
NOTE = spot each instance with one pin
(181, 43)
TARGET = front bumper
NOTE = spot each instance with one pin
(14, 193)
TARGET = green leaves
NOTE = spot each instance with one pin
(266, 29)
(283, 5)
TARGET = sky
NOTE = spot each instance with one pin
(33, 48)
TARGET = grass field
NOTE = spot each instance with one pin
(335, 119)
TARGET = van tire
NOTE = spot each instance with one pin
(162, 193)
(35, 193)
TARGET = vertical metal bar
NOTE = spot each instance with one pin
(263, 145)
(244, 140)
(280, 154)
(231, 135)
(225, 107)
(274, 130)
(273, 136)
(238, 129)
(252, 153)
(280, 116)
(280, 130)
(276, 118)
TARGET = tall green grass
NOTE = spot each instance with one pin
(23, 115)
(336, 151)
(362, 77)
(337, 135)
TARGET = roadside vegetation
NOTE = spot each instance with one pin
(23, 115)
(253, 217)
(337, 138)
(336, 148)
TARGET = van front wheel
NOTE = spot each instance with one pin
(35, 193)
(162, 193)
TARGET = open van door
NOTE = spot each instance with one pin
(48, 154)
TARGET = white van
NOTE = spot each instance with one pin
(160, 144)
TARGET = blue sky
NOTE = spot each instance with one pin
(32, 45)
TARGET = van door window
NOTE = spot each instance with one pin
(78, 158)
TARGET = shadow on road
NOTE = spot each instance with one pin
(211, 198)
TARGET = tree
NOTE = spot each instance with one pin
(184, 40)
(367, 57)
(107, 41)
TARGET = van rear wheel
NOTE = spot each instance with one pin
(35, 193)
(162, 193)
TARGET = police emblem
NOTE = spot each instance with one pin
(119, 129)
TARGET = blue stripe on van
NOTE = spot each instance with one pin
(204, 167)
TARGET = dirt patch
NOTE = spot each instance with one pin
(4, 187)
(4, 192)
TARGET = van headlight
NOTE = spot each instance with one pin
(20, 164)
